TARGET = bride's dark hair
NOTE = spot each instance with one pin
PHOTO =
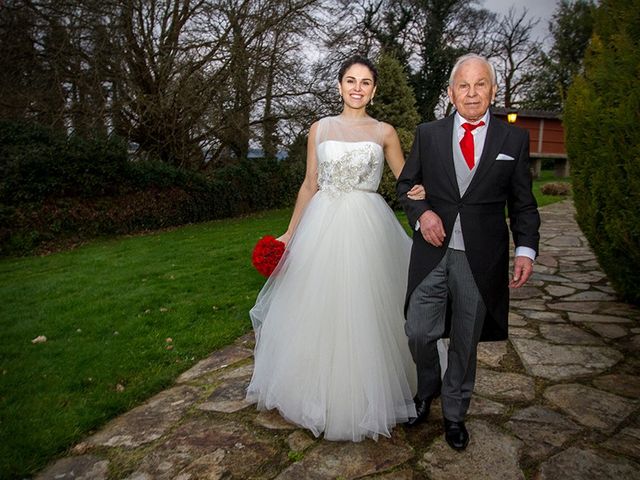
(358, 60)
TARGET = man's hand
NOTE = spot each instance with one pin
(522, 270)
(431, 228)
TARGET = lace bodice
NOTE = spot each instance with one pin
(347, 166)
(350, 155)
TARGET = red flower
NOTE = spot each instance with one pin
(266, 254)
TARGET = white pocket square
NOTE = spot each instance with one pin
(504, 156)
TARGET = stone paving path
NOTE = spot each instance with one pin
(559, 400)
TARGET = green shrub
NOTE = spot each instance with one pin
(37, 163)
(602, 123)
(58, 190)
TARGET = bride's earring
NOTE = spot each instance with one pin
(371, 102)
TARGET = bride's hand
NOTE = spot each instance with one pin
(417, 192)
(284, 238)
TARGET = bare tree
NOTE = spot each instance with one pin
(515, 54)
(185, 80)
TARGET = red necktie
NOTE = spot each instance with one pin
(466, 144)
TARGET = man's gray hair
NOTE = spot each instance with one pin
(473, 56)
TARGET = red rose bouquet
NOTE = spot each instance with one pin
(266, 254)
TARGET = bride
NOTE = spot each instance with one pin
(331, 353)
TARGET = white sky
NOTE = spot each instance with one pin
(537, 9)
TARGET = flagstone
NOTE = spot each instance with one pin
(559, 290)
(216, 361)
(516, 320)
(549, 278)
(561, 362)
(522, 332)
(531, 304)
(491, 453)
(228, 397)
(506, 386)
(568, 334)
(590, 296)
(578, 464)
(620, 310)
(149, 421)
(492, 353)
(272, 420)
(208, 447)
(596, 318)
(609, 331)
(237, 372)
(299, 441)
(526, 292)
(544, 269)
(606, 288)
(549, 317)
(565, 241)
(403, 474)
(591, 407)
(84, 467)
(587, 277)
(634, 343)
(577, 258)
(547, 260)
(483, 406)
(542, 430)
(583, 307)
(331, 460)
(626, 442)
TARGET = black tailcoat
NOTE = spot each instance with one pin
(500, 189)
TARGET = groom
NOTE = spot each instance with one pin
(472, 166)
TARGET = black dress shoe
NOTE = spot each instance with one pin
(456, 434)
(423, 407)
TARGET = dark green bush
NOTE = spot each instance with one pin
(56, 190)
(37, 163)
(602, 124)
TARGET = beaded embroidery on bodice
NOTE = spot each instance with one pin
(347, 166)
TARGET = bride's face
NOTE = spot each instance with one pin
(357, 87)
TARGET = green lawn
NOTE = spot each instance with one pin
(107, 309)
(545, 177)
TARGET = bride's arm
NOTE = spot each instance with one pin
(308, 188)
(395, 160)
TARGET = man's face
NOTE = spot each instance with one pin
(472, 91)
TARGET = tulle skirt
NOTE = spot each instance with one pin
(331, 353)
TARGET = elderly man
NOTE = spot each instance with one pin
(472, 166)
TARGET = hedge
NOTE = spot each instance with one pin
(602, 127)
(56, 189)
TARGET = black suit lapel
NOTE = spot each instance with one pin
(496, 134)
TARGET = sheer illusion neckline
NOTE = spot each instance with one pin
(355, 120)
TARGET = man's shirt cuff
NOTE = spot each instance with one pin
(526, 252)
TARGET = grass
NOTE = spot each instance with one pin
(107, 309)
(545, 177)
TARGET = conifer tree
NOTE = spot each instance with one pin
(395, 104)
(602, 127)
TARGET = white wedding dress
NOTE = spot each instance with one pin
(331, 353)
